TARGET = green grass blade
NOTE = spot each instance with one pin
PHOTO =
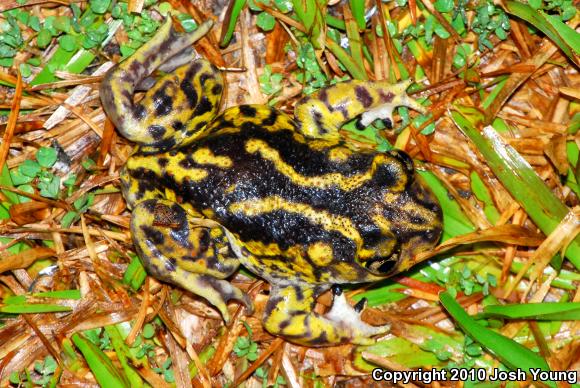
(6, 180)
(335, 22)
(232, 15)
(80, 62)
(517, 176)
(102, 367)
(563, 36)
(60, 294)
(383, 293)
(538, 311)
(346, 60)
(124, 354)
(355, 41)
(358, 12)
(33, 308)
(566, 279)
(311, 14)
(570, 37)
(509, 352)
(135, 274)
(58, 60)
(399, 350)
(455, 223)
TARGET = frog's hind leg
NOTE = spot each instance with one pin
(194, 253)
(289, 313)
(321, 114)
(178, 106)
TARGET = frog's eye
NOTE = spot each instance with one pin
(380, 266)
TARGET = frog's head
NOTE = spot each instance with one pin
(410, 219)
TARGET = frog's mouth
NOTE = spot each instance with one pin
(414, 231)
(402, 258)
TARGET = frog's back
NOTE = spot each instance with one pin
(280, 192)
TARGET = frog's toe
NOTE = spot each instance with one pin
(216, 291)
(347, 316)
(221, 293)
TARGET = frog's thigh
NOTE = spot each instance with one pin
(190, 252)
(178, 108)
(289, 313)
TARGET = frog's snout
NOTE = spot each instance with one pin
(415, 226)
(424, 226)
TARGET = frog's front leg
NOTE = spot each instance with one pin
(323, 113)
(179, 105)
(193, 253)
(289, 313)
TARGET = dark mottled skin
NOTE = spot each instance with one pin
(290, 200)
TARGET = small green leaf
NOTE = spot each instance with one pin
(99, 6)
(19, 179)
(69, 218)
(440, 31)
(187, 22)
(43, 38)
(70, 181)
(49, 365)
(148, 331)
(68, 43)
(283, 6)
(535, 4)
(46, 156)
(27, 189)
(62, 23)
(134, 274)
(14, 378)
(168, 375)
(165, 8)
(84, 202)
(29, 168)
(265, 21)
(34, 23)
(444, 5)
(500, 33)
(25, 70)
(34, 61)
(568, 12)
(49, 186)
(126, 51)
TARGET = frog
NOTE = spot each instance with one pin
(289, 199)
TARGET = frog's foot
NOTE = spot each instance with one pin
(345, 315)
(289, 313)
(384, 111)
(323, 113)
(215, 291)
(193, 253)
